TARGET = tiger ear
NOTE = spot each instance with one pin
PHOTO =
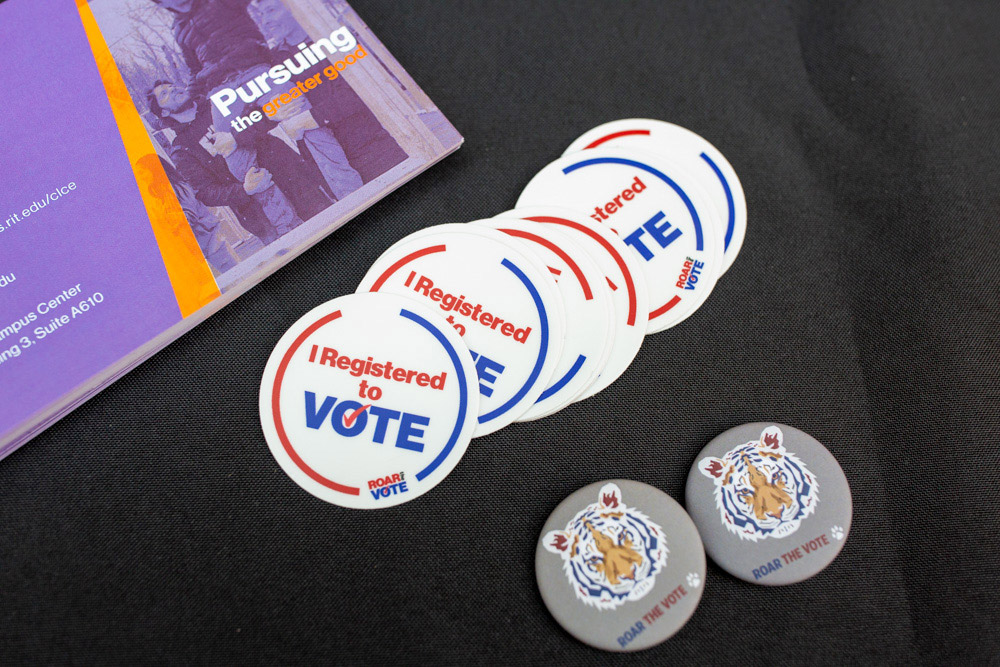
(609, 497)
(711, 467)
(557, 541)
(772, 438)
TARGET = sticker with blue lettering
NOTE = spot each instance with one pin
(369, 400)
(660, 212)
(498, 296)
(590, 322)
(701, 160)
(621, 273)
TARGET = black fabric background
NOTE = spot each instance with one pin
(153, 524)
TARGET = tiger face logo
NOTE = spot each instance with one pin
(761, 489)
(611, 553)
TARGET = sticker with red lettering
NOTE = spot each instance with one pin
(700, 159)
(369, 400)
(499, 297)
(656, 209)
(621, 273)
(589, 311)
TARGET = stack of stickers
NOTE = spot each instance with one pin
(458, 330)
(461, 329)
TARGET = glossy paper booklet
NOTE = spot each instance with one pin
(160, 157)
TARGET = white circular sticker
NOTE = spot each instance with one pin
(659, 213)
(589, 311)
(622, 274)
(499, 297)
(369, 400)
(703, 160)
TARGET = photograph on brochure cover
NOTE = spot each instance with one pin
(270, 119)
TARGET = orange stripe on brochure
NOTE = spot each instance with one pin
(190, 276)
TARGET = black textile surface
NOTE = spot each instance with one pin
(154, 525)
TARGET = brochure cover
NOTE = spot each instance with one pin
(160, 157)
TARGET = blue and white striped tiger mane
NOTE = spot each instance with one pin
(611, 552)
(784, 475)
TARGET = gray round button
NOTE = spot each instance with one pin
(770, 502)
(620, 565)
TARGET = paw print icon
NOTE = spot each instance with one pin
(693, 580)
(837, 532)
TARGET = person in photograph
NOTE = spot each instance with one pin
(220, 43)
(223, 47)
(155, 176)
(199, 27)
(368, 148)
(200, 165)
(204, 223)
(318, 146)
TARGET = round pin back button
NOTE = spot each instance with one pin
(771, 503)
(620, 565)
